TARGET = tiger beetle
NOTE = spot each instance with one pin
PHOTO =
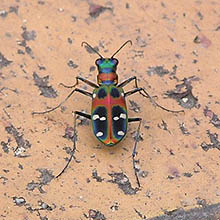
(109, 113)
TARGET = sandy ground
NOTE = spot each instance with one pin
(175, 56)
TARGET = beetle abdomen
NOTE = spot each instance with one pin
(109, 114)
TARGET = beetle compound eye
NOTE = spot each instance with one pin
(115, 61)
(99, 61)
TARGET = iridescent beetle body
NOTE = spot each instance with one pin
(109, 112)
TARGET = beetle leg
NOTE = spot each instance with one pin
(134, 153)
(155, 103)
(124, 83)
(74, 140)
(75, 90)
(132, 91)
(83, 80)
(144, 93)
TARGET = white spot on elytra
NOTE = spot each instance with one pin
(122, 115)
(94, 117)
(99, 134)
(185, 99)
(115, 118)
(93, 95)
(122, 94)
(102, 118)
(121, 133)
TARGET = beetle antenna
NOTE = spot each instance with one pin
(129, 41)
(90, 47)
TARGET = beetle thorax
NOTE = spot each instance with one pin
(107, 78)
